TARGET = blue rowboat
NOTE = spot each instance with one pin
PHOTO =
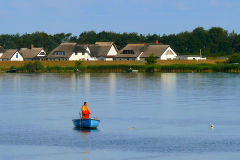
(91, 123)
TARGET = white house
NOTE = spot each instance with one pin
(11, 55)
(69, 51)
(74, 51)
(103, 51)
(162, 52)
(33, 54)
(190, 57)
(141, 51)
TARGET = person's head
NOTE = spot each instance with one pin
(85, 103)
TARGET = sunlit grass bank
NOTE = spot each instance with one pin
(120, 66)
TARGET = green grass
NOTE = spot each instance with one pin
(141, 68)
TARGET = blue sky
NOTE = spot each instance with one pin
(141, 16)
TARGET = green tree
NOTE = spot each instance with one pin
(78, 64)
(38, 66)
(30, 67)
(151, 59)
(234, 58)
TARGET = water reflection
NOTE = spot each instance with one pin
(85, 130)
(85, 140)
(168, 82)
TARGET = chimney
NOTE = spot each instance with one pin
(156, 41)
(32, 46)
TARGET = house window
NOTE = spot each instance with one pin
(42, 53)
(58, 53)
(76, 53)
(83, 53)
(128, 52)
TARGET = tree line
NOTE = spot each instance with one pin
(213, 42)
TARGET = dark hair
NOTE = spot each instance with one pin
(84, 103)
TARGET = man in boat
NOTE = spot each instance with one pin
(85, 111)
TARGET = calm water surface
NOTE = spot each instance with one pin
(171, 113)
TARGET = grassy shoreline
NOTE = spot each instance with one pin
(210, 65)
(8, 64)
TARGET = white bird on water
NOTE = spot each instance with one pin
(211, 126)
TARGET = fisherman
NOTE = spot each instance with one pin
(85, 111)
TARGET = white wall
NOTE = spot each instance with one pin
(191, 58)
(14, 57)
(112, 51)
(166, 56)
(92, 59)
(79, 56)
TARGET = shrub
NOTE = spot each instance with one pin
(38, 66)
(234, 58)
(151, 59)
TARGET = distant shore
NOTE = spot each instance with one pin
(165, 66)
(8, 64)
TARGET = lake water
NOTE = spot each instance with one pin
(171, 113)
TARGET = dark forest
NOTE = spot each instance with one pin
(213, 42)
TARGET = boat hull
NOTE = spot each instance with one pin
(12, 71)
(130, 70)
(86, 123)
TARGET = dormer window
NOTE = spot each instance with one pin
(128, 52)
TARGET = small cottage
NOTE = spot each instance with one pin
(69, 52)
(74, 51)
(103, 51)
(162, 52)
(11, 55)
(33, 54)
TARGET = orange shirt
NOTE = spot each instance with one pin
(85, 111)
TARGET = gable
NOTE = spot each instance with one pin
(169, 52)
(113, 51)
(42, 53)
